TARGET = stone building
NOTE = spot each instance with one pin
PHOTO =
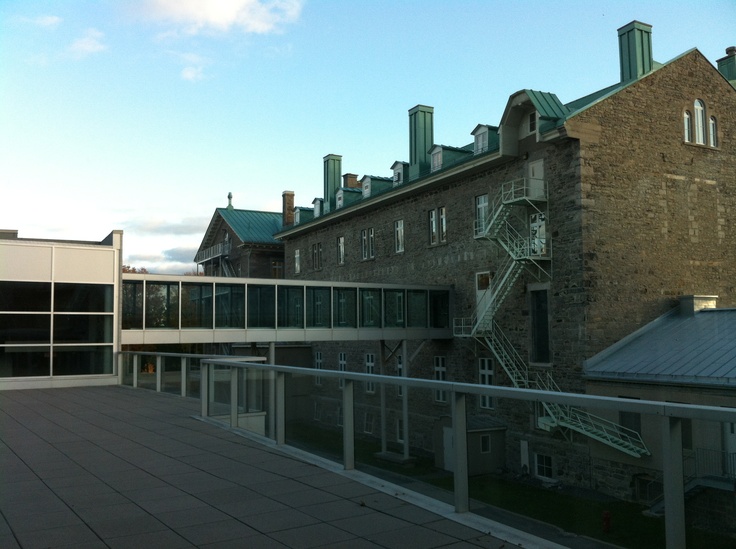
(240, 243)
(562, 229)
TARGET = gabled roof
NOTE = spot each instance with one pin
(674, 349)
(251, 227)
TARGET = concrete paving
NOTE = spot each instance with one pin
(120, 467)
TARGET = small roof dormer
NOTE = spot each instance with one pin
(401, 172)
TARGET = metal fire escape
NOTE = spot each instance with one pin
(522, 203)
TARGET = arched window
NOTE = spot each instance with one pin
(699, 122)
(687, 120)
(712, 132)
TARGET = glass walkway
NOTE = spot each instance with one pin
(174, 309)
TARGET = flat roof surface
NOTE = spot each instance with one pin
(120, 467)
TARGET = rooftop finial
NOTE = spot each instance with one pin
(229, 201)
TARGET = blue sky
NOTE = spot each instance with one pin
(142, 115)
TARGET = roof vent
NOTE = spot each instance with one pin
(691, 304)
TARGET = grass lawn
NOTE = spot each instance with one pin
(573, 513)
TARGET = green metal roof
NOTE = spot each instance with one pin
(252, 226)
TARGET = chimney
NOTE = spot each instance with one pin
(691, 304)
(350, 181)
(287, 208)
(421, 139)
(332, 169)
(635, 50)
(727, 65)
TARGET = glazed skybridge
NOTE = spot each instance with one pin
(161, 309)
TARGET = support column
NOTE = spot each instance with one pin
(280, 407)
(459, 435)
(184, 363)
(233, 397)
(159, 372)
(204, 388)
(271, 359)
(405, 399)
(382, 371)
(136, 369)
(674, 489)
(348, 426)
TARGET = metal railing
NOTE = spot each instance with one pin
(222, 248)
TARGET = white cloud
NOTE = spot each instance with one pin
(47, 21)
(249, 16)
(88, 44)
(192, 74)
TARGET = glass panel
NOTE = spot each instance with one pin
(439, 309)
(24, 361)
(345, 306)
(417, 308)
(19, 328)
(171, 375)
(230, 306)
(394, 308)
(25, 296)
(83, 328)
(291, 307)
(132, 305)
(83, 298)
(196, 305)
(261, 306)
(162, 304)
(71, 361)
(370, 308)
(318, 307)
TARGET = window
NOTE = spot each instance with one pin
(440, 374)
(399, 236)
(436, 160)
(481, 142)
(543, 465)
(532, 122)
(485, 444)
(341, 250)
(317, 366)
(370, 368)
(317, 415)
(342, 365)
(338, 415)
(687, 122)
(317, 256)
(481, 214)
(437, 225)
(297, 262)
(540, 326)
(699, 122)
(399, 430)
(485, 377)
(712, 132)
(400, 373)
(277, 269)
(366, 243)
(368, 422)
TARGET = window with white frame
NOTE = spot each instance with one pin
(437, 219)
(543, 466)
(481, 142)
(342, 365)
(442, 214)
(317, 366)
(317, 256)
(699, 122)
(341, 250)
(400, 373)
(368, 421)
(532, 126)
(399, 431)
(366, 244)
(370, 368)
(485, 377)
(440, 374)
(712, 131)
(436, 160)
(399, 236)
(687, 123)
(481, 214)
(297, 262)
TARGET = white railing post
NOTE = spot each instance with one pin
(460, 438)
(280, 408)
(233, 397)
(204, 387)
(183, 376)
(674, 490)
(272, 392)
(159, 373)
(136, 368)
(348, 426)
(405, 400)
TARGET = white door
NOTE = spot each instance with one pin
(535, 176)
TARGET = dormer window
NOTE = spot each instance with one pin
(366, 189)
(481, 141)
(340, 199)
(397, 177)
(436, 160)
(532, 122)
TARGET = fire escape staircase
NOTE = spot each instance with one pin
(530, 254)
